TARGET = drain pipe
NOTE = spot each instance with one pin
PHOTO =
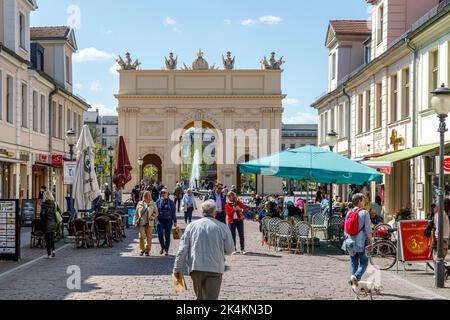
(415, 114)
(50, 128)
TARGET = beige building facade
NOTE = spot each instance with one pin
(157, 106)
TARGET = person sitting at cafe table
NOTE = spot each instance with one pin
(375, 219)
(293, 210)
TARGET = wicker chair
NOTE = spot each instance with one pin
(320, 224)
(273, 230)
(117, 228)
(284, 234)
(303, 234)
(103, 231)
(81, 232)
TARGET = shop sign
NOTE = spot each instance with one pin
(57, 160)
(70, 168)
(446, 165)
(413, 243)
(42, 158)
(7, 153)
(24, 157)
(28, 211)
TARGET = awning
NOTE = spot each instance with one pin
(386, 163)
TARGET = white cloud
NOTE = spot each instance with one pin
(104, 110)
(169, 22)
(302, 118)
(96, 86)
(291, 102)
(92, 54)
(78, 86)
(271, 20)
(114, 68)
(227, 21)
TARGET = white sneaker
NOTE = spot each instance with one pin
(235, 253)
(49, 257)
(244, 253)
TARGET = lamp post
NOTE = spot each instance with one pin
(440, 102)
(332, 140)
(111, 155)
(71, 139)
(140, 164)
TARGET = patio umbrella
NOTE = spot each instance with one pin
(312, 164)
(85, 188)
(122, 172)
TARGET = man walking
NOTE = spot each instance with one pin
(178, 196)
(220, 200)
(358, 232)
(146, 213)
(203, 248)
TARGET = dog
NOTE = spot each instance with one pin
(366, 289)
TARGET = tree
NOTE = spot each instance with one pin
(151, 173)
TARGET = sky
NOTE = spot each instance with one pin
(250, 29)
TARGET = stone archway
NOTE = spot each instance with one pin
(154, 160)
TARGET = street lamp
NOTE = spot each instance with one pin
(71, 139)
(140, 164)
(332, 140)
(111, 155)
(440, 102)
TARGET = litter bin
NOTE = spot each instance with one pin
(129, 210)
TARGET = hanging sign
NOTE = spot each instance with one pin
(70, 168)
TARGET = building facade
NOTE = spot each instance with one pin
(298, 135)
(105, 129)
(37, 103)
(375, 107)
(160, 109)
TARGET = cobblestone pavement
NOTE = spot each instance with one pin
(119, 273)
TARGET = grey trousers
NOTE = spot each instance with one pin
(206, 285)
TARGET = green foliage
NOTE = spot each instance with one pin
(151, 173)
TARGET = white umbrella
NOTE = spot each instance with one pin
(85, 188)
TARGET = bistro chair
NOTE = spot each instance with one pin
(81, 233)
(283, 235)
(303, 235)
(319, 224)
(273, 229)
(103, 231)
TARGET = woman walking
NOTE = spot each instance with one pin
(189, 205)
(235, 210)
(166, 219)
(48, 218)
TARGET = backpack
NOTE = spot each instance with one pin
(352, 223)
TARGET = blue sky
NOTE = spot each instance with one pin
(250, 29)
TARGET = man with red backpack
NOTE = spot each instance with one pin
(358, 234)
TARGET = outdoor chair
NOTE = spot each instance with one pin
(37, 234)
(319, 224)
(103, 231)
(265, 229)
(272, 232)
(283, 235)
(117, 227)
(81, 233)
(303, 235)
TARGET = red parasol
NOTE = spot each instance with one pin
(122, 172)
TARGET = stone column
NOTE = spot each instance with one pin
(171, 170)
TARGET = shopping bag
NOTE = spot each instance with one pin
(58, 215)
(177, 233)
(179, 284)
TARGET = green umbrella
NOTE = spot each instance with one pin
(312, 164)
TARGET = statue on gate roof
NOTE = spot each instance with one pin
(228, 63)
(127, 63)
(272, 64)
(171, 63)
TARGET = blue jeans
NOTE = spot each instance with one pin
(239, 225)
(359, 264)
(164, 230)
(188, 215)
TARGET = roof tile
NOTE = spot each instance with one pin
(57, 32)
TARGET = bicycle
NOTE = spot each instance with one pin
(383, 253)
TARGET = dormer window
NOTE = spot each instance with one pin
(22, 29)
(380, 26)
(367, 53)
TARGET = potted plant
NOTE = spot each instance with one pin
(403, 214)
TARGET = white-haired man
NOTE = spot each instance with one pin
(203, 248)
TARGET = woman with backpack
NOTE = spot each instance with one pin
(49, 222)
(166, 219)
(358, 233)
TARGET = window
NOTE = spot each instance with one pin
(292, 146)
(53, 123)
(341, 126)
(360, 113)
(43, 114)
(367, 54)
(104, 131)
(394, 98)
(60, 121)
(405, 94)
(68, 73)
(22, 28)
(69, 120)
(332, 119)
(434, 68)
(80, 124)
(379, 105)
(368, 107)
(325, 132)
(24, 106)
(333, 66)
(35, 111)
(117, 130)
(104, 142)
(9, 100)
(380, 27)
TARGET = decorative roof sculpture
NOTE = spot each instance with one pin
(171, 63)
(127, 64)
(200, 63)
(272, 64)
(228, 63)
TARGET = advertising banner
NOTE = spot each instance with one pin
(413, 244)
(70, 168)
(9, 230)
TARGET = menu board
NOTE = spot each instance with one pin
(9, 230)
(28, 212)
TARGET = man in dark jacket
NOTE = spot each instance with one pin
(166, 219)
(178, 196)
(221, 200)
